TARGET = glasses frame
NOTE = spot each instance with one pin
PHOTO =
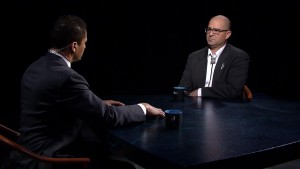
(214, 30)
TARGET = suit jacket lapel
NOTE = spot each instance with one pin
(221, 64)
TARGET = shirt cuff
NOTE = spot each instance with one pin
(143, 107)
(200, 92)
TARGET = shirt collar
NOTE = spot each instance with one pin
(218, 53)
(64, 58)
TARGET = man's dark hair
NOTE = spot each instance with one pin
(67, 29)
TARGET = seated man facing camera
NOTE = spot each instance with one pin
(219, 70)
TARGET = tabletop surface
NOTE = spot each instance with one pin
(216, 132)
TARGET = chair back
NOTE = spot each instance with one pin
(247, 94)
(9, 143)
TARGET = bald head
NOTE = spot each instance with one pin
(218, 32)
(223, 21)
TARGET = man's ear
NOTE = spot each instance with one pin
(228, 34)
(74, 46)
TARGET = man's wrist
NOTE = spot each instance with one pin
(143, 107)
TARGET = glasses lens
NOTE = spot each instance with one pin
(214, 31)
(208, 30)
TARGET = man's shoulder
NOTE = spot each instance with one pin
(202, 51)
(235, 49)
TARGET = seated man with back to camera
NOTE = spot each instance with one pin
(58, 108)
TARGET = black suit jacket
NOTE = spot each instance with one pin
(230, 73)
(55, 103)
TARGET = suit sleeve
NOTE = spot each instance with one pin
(193, 76)
(186, 75)
(82, 102)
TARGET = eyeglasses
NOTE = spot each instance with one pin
(214, 31)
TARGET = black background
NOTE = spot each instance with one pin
(141, 46)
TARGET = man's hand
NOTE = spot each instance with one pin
(194, 93)
(153, 111)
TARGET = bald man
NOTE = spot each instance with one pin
(218, 70)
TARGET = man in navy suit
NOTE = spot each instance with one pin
(57, 105)
(219, 70)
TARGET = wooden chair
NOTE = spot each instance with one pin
(247, 94)
(11, 144)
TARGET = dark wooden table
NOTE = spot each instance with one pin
(214, 133)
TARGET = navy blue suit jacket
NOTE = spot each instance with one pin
(230, 73)
(55, 103)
